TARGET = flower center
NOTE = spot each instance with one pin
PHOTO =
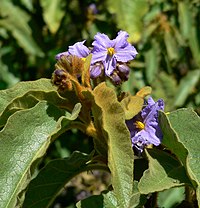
(83, 59)
(110, 51)
(139, 125)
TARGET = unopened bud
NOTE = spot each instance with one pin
(58, 56)
(123, 68)
(115, 78)
(61, 80)
(96, 70)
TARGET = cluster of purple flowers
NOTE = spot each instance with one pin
(144, 127)
(109, 57)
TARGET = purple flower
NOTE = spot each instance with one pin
(59, 55)
(92, 9)
(79, 49)
(144, 127)
(109, 52)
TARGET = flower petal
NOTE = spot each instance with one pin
(154, 134)
(151, 111)
(98, 56)
(79, 49)
(110, 65)
(140, 140)
(101, 42)
(126, 54)
(59, 55)
(121, 39)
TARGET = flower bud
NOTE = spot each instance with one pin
(123, 68)
(115, 78)
(58, 56)
(60, 79)
(96, 70)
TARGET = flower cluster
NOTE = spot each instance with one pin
(144, 127)
(109, 57)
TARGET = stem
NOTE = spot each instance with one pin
(97, 167)
(189, 194)
(90, 130)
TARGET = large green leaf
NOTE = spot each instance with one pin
(129, 14)
(120, 153)
(164, 172)
(31, 98)
(25, 138)
(25, 95)
(41, 193)
(17, 22)
(181, 131)
(21, 88)
(53, 12)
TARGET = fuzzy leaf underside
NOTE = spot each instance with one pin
(120, 153)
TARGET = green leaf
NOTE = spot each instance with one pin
(171, 46)
(185, 19)
(129, 15)
(24, 139)
(21, 88)
(25, 95)
(137, 200)
(164, 172)
(188, 119)
(105, 200)
(6, 75)
(194, 45)
(92, 201)
(120, 153)
(28, 4)
(86, 72)
(165, 87)
(17, 22)
(188, 29)
(132, 105)
(152, 61)
(41, 193)
(171, 197)
(53, 12)
(31, 98)
(186, 86)
(181, 131)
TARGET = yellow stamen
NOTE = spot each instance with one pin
(110, 51)
(139, 125)
(83, 59)
(167, 113)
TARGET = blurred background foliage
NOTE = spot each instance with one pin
(165, 33)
